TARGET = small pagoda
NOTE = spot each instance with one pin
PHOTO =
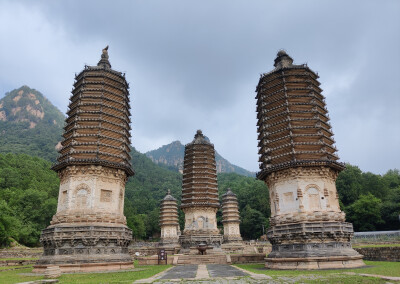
(230, 217)
(88, 231)
(200, 201)
(299, 164)
(169, 223)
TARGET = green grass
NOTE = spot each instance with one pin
(14, 276)
(14, 266)
(115, 277)
(19, 258)
(374, 267)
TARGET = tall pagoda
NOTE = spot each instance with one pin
(89, 230)
(169, 222)
(200, 201)
(231, 217)
(299, 165)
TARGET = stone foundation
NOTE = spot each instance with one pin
(188, 241)
(380, 253)
(90, 247)
(87, 267)
(319, 239)
(314, 262)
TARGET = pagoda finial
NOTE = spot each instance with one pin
(104, 59)
(283, 60)
(169, 192)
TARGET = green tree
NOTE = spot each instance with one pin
(365, 213)
(6, 222)
(252, 223)
(349, 185)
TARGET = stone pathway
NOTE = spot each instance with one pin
(210, 273)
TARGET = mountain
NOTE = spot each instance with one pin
(171, 156)
(29, 124)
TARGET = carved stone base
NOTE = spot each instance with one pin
(319, 239)
(188, 241)
(314, 262)
(89, 247)
(312, 245)
(169, 242)
(232, 239)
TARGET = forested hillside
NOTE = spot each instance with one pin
(29, 124)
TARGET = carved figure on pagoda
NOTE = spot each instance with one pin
(88, 231)
(299, 164)
(200, 201)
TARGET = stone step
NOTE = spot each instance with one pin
(202, 259)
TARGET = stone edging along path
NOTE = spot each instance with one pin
(202, 271)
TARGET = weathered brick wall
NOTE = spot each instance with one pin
(380, 253)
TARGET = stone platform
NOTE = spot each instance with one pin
(314, 263)
(193, 240)
(312, 245)
(83, 248)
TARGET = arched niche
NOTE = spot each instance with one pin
(82, 193)
(313, 195)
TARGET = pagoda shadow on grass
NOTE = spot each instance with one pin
(89, 232)
(200, 201)
(299, 165)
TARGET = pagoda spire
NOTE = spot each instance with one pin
(104, 59)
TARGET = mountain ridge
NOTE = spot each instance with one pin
(172, 155)
(29, 124)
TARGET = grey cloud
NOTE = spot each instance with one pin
(195, 65)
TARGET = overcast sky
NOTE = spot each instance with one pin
(195, 65)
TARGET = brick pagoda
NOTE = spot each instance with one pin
(230, 217)
(169, 223)
(89, 230)
(200, 201)
(300, 166)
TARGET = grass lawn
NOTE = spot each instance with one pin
(14, 276)
(332, 275)
(14, 266)
(19, 258)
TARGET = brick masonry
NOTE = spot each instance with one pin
(380, 253)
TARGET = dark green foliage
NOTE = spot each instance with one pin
(371, 202)
(145, 191)
(252, 223)
(253, 199)
(28, 197)
(365, 213)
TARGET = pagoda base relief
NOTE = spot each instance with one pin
(88, 232)
(169, 236)
(85, 247)
(212, 240)
(200, 228)
(312, 245)
(308, 229)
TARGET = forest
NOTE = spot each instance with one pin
(29, 189)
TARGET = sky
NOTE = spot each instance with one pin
(195, 65)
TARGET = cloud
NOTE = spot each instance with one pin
(195, 65)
